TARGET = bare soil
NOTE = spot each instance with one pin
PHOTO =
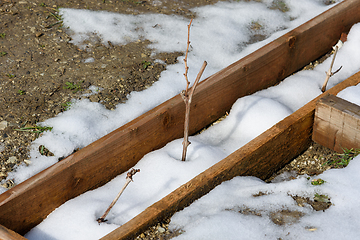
(40, 71)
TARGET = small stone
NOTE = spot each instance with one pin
(94, 98)
(39, 34)
(311, 229)
(27, 162)
(11, 159)
(161, 230)
(3, 125)
(89, 60)
(142, 235)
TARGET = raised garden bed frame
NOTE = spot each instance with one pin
(27, 204)
(337, 124)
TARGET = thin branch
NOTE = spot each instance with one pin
(197, 80)
(129, 179)
(187, 97)
(338, 45)
(185, 59)
(329, 73)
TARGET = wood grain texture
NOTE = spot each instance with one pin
(261, 157)
(337, 124)
(27, 204)
(7, 234)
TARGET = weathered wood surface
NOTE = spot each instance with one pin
(261, 157)
(337, 124)
(7, 234)
(27, 204)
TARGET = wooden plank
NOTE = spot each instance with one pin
(7, 234)
(337, 124)
(27, 204)
(260, 157)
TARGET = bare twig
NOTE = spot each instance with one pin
(185, 59)
(129, 176)
(329, 73)
(187, 97)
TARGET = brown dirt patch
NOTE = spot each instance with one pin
(37, 62)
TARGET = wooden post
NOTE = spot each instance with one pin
(337, 124)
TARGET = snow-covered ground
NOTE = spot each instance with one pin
(216, 215)
(219, 35)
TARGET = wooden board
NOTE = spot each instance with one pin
(7, 234)
(261, 158)
(337, 124)
(27, 204)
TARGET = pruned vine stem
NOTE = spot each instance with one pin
(187, 96)
(129, 176)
